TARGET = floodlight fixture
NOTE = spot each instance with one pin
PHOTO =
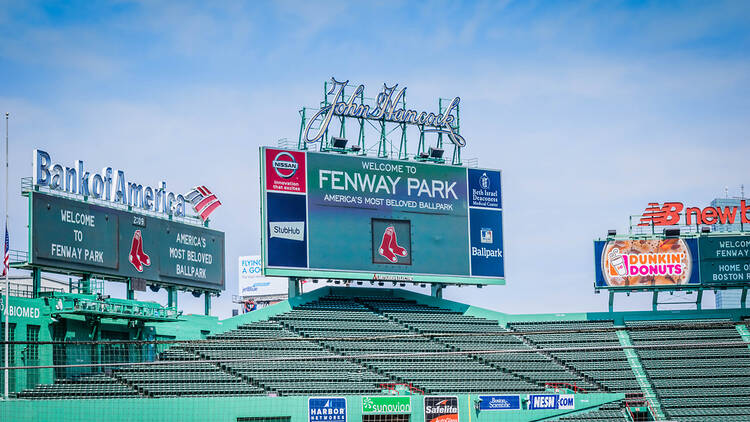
(611, 233)
(436, 153)
(339, 143)
(355, 148)
(706, 229)
(672, 232)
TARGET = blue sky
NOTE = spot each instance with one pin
(592, 109)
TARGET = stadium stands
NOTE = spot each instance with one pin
(347, 344)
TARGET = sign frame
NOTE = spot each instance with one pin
(365, 275)
(699, 265)
(159, 261)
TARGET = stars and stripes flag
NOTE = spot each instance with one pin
(6, 257)
(204, 202)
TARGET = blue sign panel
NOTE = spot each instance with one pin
(330, 409)
(500, 402)
(484, 189)
(551, 401)
(287, 224)
(486, 242)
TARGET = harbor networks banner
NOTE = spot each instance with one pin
(333, 215)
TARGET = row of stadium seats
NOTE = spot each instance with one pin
(387, 345)
(352, 345)
(701, 382)
(608, 369)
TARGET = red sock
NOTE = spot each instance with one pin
(384, 249)
(398, 250)
(133, 255)
(145, 260)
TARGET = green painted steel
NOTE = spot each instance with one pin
(229, 409)
(744, 333)
(71, 235)
(347, 275)
(640, 374)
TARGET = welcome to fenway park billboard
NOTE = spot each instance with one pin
(713, 260)
(76, 236)
(352, 217)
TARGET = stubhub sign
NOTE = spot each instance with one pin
(552, 401)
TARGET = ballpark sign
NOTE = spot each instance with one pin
(338, 216)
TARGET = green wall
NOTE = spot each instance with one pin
(228, 409)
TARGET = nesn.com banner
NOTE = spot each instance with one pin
(339, 216)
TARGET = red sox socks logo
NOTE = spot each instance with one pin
(137, 257)
(389, 247)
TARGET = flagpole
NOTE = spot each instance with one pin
(7, 282)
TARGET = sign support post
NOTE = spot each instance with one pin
(743, 298)
(207, 302)
(293, 287)
(131, 292)
(6, 303)
(172, 297)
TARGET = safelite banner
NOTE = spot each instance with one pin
(344, 216)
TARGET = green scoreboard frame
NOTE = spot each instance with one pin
(339, 216)
(72, 236)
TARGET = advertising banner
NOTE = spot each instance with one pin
(716, 260)
(646, 262)
(441, 409)
(512, 402)
(725, 259)
(386, 404)
(333, 215)
(251, 280)
(78, 236)
(552, 401)
(326, 409)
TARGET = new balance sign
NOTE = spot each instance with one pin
(668, 214)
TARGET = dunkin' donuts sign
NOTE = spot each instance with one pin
(646, 262)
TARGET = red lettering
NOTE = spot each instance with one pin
(727, 216)
(671, 214)
(743, 212)
(689, 213)
(709, 215)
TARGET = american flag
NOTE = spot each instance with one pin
(6, 259)
(204, 202)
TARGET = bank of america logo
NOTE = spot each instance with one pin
(204, 202)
